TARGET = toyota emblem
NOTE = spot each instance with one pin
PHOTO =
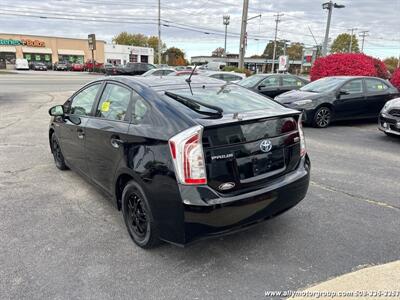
(266, 146)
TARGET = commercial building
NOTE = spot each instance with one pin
(46, 49)
(121, 54)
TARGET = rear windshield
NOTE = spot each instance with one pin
(323, 85)
(230, 97)
(250, 81)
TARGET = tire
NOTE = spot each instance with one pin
(138, 217)
(57, 154)
(322, 117)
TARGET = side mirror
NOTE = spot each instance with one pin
(56, 111)
(343, 92)
(261, 86)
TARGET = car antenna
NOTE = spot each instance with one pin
(189, 79)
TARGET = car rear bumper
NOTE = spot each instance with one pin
(389, 124)
(208, 214)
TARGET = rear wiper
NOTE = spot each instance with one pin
(196, 105)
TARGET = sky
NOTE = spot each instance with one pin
(196, 26)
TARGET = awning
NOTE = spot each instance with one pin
(70, 52)
(8, 49)
(37, 50)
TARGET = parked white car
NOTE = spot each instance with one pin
(21, 64)
(158, 72)
(226, 76)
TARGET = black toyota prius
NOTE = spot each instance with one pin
(183, 158)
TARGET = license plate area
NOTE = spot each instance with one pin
(261, 166)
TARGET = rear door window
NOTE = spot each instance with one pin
(140, 109)
(375, 85)
(83, 102)
(291, 81)
(114, 103)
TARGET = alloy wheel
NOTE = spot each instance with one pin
(137, 216)
(323, 117)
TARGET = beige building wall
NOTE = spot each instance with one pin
(55, 43)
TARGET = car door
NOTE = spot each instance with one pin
(351, 103)
(106, 133)
(270, 86)
(72, 128)
(290, 83)
(377, 94)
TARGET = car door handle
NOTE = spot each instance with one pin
(81, 134)
(116, 142)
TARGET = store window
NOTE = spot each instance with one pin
(37, 57)
(133, 58)
(8, 58)
(144, 58)
(73, 59)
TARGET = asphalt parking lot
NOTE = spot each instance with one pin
(60, 238)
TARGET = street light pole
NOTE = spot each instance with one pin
(329, 6)
(278, 15)
(242, 46)
(159, 32)
(351, 39)
(226, 20)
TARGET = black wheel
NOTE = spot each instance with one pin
(138, 217)
(57, 154)
(322, 117)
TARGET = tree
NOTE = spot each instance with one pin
(395, 80)
(391, 63)
(269, 49)
(351, 64)
(342, 44)
(173, 56)
(295, 51)
(219, 52)
(132, 39)
(152, 42)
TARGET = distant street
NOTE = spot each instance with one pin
(60, 238)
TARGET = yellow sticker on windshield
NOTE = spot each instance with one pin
(298, 83)
(380, 87)
(105, 106)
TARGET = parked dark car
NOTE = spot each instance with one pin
(183, 160)
(389, 118)
(62, 66)
(38, 66)
(340, 98)
(135, 69)
(272, 85)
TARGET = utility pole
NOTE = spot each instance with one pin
(226, 20)
(278, 15)
(398, 62)
(159, 32)
(351, 38)
(242, 46)
(329, 6)
(363, 34)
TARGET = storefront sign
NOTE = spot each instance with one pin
(24, 42)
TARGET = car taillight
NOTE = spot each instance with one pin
(303, 149)
(188, 157)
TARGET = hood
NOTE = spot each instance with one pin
(296, 95)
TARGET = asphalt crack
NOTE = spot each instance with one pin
(354, 196)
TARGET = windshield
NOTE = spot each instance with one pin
(250, 81)
(231, 98)
(323, 85)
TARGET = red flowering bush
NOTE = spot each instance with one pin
(351, 64)
(395, 80)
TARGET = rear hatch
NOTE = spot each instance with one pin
(241, 155)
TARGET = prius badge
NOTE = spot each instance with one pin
(266, 145)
